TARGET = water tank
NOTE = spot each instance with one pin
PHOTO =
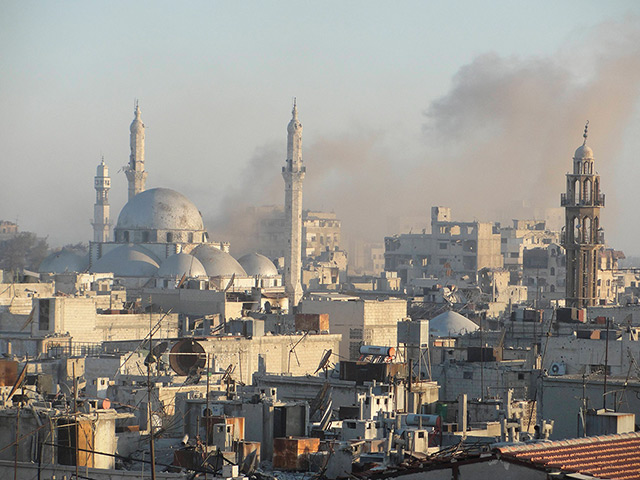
(380, 351)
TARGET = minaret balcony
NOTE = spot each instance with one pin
(566, 201)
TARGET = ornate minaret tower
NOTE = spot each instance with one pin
(293, 174)
(582, 236)
(101, 210)
(135, 171)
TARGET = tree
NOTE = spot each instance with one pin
(25, 250)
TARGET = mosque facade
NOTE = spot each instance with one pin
(159, 233)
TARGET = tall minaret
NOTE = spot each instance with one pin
(135, 171)
(582, 237)
(293, 174)
(101, 210)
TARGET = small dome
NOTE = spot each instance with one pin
(181, 264)
(160, 209)
(127, 261)
(451, 324)
(583, 152)
(216, 262)
(258, 265)
(63, 261)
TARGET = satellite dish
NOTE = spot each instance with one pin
(19, 380)
(227, 373)
(325, 360)
(159, 349)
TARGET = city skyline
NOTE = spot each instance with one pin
(480, 116)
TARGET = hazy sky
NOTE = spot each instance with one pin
(475, 105)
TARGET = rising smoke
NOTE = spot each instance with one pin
(496, 145)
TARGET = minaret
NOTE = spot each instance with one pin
(582, 237)
(135, 171)
(293, 174)
(101, 210)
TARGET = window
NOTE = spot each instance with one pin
(190, 237)
(43, 314)
(553, 271)
(145, 237)
(521, 376)
(442, 261)
(169, 237)
(467, 375)
(125, 236)
(443, 246)
(514, 254)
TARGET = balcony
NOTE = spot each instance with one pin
(598, 201)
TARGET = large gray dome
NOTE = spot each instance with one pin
(63, 261)
(216, 262)
(451, 324)
(160, 209)
(127, 261)
(181, 264)
(258, 265)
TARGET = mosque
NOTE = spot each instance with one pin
(159, 237)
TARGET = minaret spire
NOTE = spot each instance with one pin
(586, 133)
(101, 209)
(135, 172)
(293, 173)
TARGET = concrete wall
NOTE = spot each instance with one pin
(360, 322)
(560, 399)
(458, 378)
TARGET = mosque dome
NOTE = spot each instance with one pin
(181, 264)
(451, 324)
(216, 262)
(583, 152)
(160, 209)
(258, 265)
(63, 261)
(127, 261)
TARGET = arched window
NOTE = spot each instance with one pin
(587, 230)
(575, 222)
(576, 191)
(553, 272)
(586, 191)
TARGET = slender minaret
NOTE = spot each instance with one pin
(101, 210)
(582, 236)
(135, 171)
(293, 174)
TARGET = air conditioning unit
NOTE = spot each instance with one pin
(557, 368)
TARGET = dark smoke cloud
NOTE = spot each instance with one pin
(501, 139)
(504, 135)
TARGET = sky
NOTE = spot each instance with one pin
(473, 105)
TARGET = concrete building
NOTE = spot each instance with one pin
(321, 231)
(521, 236)
(582, 237)
(359, 321)
(452, 248)
(293, 173)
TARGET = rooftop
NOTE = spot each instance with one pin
(609, 456)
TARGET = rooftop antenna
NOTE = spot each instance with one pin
(586, 133)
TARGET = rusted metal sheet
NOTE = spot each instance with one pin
(8, 373)
(312, 321)
(292, 453)
(361, 372)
